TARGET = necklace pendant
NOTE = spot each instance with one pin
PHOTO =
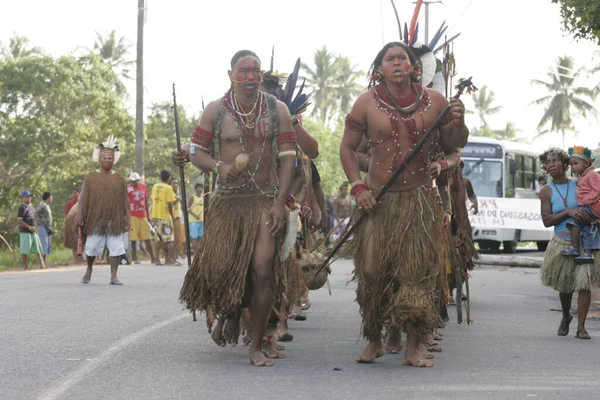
(565, 202)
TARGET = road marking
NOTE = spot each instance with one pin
(60, 387)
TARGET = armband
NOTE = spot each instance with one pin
(202, 138)
(286, 137)
(286, 153)
(353, 124)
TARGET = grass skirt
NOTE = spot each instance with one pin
(70, 239)
(217, 280)
(560, 272)
(401, 241)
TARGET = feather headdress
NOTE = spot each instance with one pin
(297, 103)
(585, 153)
(109, 144)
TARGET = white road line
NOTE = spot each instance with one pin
(60, 387)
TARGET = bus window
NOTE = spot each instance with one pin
(520, 176)
(529, 172)
(485, 176)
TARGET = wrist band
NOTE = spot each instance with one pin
(358, 189)
(358, 182)
(443, 163)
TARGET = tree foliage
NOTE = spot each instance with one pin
(565, 99)
(159, 136)
(328, 162)
(52, 114)
(18, 47)
(115, 53)
(581, 18)
(333, 82)
(483, 101)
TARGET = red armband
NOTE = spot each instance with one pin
(202, 137)
(286, 137)
(358, 189)
(355, 125)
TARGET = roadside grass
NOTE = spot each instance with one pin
(58, 257)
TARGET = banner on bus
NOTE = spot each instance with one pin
(508, 213)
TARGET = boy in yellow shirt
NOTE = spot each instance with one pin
(163, 203)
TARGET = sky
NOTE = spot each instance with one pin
(503, 44)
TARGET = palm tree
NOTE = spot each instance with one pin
(564, 99)
(321, 81)
(19, 47)
(347, 87)
(483, 100)
(114, 53)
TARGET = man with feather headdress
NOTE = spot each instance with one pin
(103, 210)
(246, 138)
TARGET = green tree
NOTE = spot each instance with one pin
(564, 100)
(508, 133)
(115, 52)
(52, 114)
(160, 140)
(320, 81)
(18, 47)
(581, 18)
(483, 101)
(347, 87)
(328, 162)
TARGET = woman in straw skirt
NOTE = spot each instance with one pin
(559, 203)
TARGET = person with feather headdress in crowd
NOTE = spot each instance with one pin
(246, 138)
(103, 210)
(396, 284)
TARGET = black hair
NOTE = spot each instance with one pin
(242, 54)
(46, 196)
(198, 185)
(562, 155)
(462, 164)
(75, 189)
(379, 59)
(165, 175)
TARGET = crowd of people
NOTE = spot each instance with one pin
(256, 243)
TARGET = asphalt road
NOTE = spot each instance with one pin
(61, 339)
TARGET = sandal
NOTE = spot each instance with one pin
(582, 334)
(563, 328)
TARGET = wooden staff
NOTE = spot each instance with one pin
(186, 220)
(463, 84)
(9, 248)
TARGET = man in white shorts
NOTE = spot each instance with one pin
(104, 211)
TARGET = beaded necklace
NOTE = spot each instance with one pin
(248, 126)
(385, 102)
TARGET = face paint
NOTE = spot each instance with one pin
(396, 65)
(246, 76)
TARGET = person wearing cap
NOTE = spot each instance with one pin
(140, 224)
(44, 223)
(27, 219)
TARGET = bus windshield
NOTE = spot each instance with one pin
(486, 177)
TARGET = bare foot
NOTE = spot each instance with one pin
(373, 350)
(282, 332)
(269, 348)
(393, 343)
(217, 333)
(258, 359)
(279, 347)
(417, 361)
(231, 331)
(423, 352)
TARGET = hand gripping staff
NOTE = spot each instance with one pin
(463, 85)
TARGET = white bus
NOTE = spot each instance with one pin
(508, 171)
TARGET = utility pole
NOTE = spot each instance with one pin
(139, 93)
(427, 3)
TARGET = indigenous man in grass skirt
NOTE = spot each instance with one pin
(396, 248)
(103, 210)
(247, 138)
